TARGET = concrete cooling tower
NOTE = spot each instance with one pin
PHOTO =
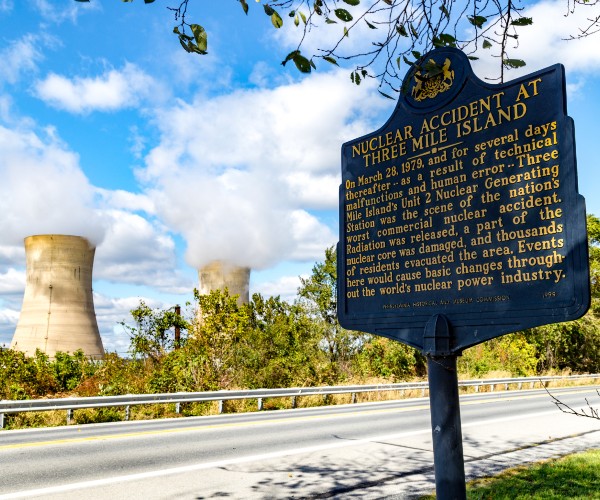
(219, 275)
(58, 306)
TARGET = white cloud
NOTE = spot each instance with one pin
(311, 236)
(286, 287)
(20, 57)
(8, 323)
(326, 36)
(544, 42)
(120, 199)
(43, 190)
(12, 255)
(67, 10)
(138, 252)
(231, 172)
(12, 282)
(114, 90)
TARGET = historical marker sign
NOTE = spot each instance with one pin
(464, 204)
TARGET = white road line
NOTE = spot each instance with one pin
(234, 461)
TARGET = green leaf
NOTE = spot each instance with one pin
(330, 21)
(432, 68)
(385, 95)
(389, 2)
(290, 56)
(352, 2)
(445, 11)
(184, 45)
(416, 54)
(401, 30)
(343, 15)
(317, 8)
(444, 40)
(200, 36)
(175, 29)
(276, 20)
(244, 6)
(148, 1)
(269, 11)
(522, 21)
(331, 60)
(302, 16)
(356, 78)
(302, 63)
(513, 63)
(486, 44)
(398, 59)
(370, 25)
(346, 32)
(477, 21)
(296, 20)
(473, 58)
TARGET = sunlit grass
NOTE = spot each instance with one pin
(574, 477)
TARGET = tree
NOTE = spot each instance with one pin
(150, 337)
(216, 336)
(398, 31)
(318, 294)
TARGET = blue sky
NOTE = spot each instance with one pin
(109, 130)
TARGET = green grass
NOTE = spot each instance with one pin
(574, 476)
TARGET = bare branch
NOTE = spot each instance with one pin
(589, 412)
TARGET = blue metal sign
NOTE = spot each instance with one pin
(463, 206)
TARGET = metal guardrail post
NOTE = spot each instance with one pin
(69, 416)
(220, 406)
(260, 404)
(294, 402)
(1, 420)
(127, 413)
(178, 408)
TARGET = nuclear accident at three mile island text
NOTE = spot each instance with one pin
(450, 216)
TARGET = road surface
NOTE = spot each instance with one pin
(373, 450)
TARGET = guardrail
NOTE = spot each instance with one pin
(128, 400)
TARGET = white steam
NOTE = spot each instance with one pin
(238, 175)
(43, 190)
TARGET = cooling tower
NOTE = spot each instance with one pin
(219, 275)
(58, 306)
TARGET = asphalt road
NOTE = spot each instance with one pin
(378, 450)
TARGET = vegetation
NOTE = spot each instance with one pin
(574, 476)
(271, 343)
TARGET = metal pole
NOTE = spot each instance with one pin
(446, 429)
(177, 328)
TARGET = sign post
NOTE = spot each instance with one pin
(460, 221)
